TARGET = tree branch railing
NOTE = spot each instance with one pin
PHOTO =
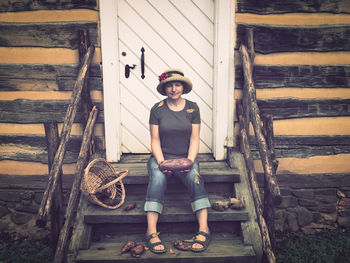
(248, 112)
(52, 201)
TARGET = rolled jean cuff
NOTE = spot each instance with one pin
(151, 206)
(200, 204)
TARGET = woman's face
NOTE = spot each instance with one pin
(174, 89)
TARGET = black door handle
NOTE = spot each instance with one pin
(127, 70)
(142, 63)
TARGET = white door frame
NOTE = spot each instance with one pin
(223, 86)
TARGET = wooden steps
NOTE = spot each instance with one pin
(223, 248)
(99, 233)
(174, 211)
(210, 171)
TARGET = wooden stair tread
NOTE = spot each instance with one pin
(217, 171)
(224, 247)
(175, 210)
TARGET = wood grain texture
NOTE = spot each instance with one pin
(30, 5)
(44, 71)
(49, 35)
(302, 76)
(305, 146)
(290, 108)
(265, 7)
(39, 111)
(32, 148)
(272, 39)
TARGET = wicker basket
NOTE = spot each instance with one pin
(103, 185)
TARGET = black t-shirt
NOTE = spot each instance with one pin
(175, 127)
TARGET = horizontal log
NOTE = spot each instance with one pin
(305, 146)
(290, 108)
(48, 35)
(30, 5)
(265, 7)
(303, 181)
(60, 84)
(39, 111)
(44, 71)
(32, 182)
(303, 76)
(272, 39)
(33, 148)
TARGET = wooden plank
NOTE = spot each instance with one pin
(265, 7)
(32, 182)
(81, 233)
(38, 111)
(32, 148)
(45, 71)
(250, 230)
(210, 171)
(60, 84)
(29, 5)
(176, 208)
(271, 39)
(288, 108)
(300, 76)
(143, 158)
(224, 247)
(49, 35)
(305, 146)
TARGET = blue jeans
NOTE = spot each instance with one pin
(157, 185)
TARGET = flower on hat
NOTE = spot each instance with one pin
(163, 76)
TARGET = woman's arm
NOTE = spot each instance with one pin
(155, 143)
(194, 142)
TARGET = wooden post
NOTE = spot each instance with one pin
(270, 176)
(269, 135)
(269, 209)
(249, 35)
(46, 202)
(52, 139)
(75, 192)
(86, 102)
(245, 149)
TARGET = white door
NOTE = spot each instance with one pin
(172, 34)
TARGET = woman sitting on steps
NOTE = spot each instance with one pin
(175, 128)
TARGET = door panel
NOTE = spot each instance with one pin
(174, 34)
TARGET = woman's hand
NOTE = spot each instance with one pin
(176, 165)
(161, 167)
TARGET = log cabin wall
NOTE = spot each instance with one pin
(301, 73)
(38, 68)
(302, 77)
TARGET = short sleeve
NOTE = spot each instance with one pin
(154, 114)
(194, 112)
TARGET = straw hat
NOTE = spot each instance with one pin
(173, 75)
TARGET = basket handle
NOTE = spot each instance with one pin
(125, 173)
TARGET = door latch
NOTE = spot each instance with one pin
(127, 70)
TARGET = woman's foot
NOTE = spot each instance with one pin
(155, 244)
(201, 240)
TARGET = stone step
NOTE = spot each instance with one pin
(224, 247)
(176, 209)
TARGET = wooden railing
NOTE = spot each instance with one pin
(52, 204)
(248, 112)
